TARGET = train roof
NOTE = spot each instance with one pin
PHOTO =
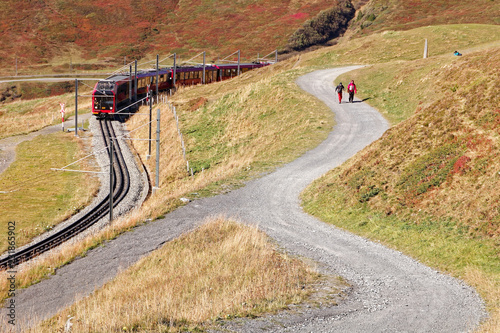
(151, 72)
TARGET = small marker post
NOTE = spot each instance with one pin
(62, 111)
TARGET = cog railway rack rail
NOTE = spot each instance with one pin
(122, 91)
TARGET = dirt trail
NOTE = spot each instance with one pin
(390, 292)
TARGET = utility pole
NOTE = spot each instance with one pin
(150, 120)
(130, 88)
(426, 50)
(204, 56)
(76, 107)
(157, 149)
(111, 179)
(135, 82)
(16, 66)
(276, 56)
(157, 82)
(175, 68)
(239, 55)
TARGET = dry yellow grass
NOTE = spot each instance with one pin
(486, 284)
(23, 117)
(300, 126)
(221, 270)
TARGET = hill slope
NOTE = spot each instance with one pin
(429, 186)
(38, 31)
(383, 15)
(61, 33)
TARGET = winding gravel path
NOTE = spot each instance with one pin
(390, 292)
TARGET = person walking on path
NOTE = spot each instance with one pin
(339, 90)
(351, 89)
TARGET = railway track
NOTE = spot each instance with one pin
(121, 186)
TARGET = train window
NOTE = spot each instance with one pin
(103, 103)
(105, 85)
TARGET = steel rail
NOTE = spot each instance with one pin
(121, 187)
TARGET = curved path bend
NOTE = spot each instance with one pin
(390, 292)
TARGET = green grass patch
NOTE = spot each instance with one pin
(391, 87)
(265, 123)
(39, 198)
(406, 45)
(441, 243)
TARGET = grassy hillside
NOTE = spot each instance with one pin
(58, 36)
(441, 161)
(429, 186)
(76, 31)
(380, 15)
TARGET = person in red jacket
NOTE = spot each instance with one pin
(351, 89)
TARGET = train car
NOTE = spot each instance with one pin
(116, 93)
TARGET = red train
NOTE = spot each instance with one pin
(117, 92)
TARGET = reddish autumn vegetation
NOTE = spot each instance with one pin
(403, 15)
(37, 31)
(59, 33)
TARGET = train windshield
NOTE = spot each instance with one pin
(105, 85)
(103, 103)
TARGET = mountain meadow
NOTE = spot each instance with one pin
(428, 187)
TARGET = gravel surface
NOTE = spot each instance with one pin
(389, 291)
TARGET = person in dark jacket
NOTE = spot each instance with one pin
(339, 90)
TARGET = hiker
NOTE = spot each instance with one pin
(351, 89)
(339, 90)
(457, 53)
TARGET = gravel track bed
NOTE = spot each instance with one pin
(389, 292)
(139, 187)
